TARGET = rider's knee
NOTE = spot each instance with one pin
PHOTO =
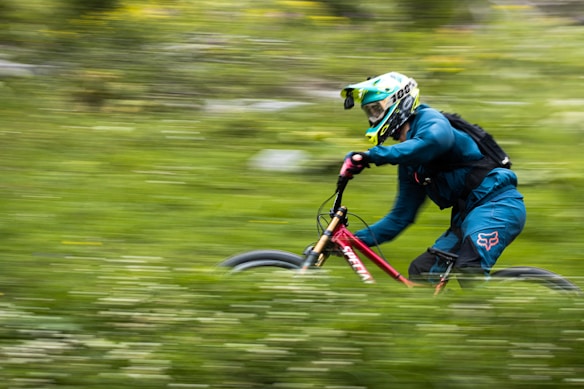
(420, 267)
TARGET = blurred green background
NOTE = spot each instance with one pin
(136, 140)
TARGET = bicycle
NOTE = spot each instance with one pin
(336, 239)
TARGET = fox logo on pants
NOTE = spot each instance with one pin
(488, 240)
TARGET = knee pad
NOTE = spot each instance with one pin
(421, 265)
(468, 256)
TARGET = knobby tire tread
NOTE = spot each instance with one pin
(290, 261)
(540, 276)
(263, 258)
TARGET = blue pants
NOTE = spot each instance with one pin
(478, 238)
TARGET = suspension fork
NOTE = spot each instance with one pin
(314, 254)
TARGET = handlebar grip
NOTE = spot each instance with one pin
(353, 164)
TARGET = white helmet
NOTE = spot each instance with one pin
(388, 101)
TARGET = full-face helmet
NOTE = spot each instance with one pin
(387, 100)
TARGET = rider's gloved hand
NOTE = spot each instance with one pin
(354, 163)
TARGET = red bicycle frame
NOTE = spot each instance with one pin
(345, 243)
(338, 234)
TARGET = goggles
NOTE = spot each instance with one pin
(376, 110)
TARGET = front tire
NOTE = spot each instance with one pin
(263, 258)
(538, 276)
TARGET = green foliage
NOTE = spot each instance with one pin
(126, 178)
(429, 14)
(283, 332)
(344, 8)
(81, 7)
(5, 9)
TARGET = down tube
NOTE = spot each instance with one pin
(346, 240)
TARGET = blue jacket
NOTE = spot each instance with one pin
(431, 142)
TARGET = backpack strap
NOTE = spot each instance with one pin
(479, 170)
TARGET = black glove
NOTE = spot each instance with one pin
(354, 163)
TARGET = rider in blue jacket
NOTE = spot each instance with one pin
(435, 161)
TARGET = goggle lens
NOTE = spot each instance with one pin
(376, 110)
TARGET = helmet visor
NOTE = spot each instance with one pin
(376, 110)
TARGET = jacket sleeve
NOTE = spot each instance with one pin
(409, 199)
(431, 138)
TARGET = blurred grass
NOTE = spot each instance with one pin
(122, 188)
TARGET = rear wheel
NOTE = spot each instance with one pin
(263, 258)
(538, 276)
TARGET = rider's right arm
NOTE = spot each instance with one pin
(409, 199)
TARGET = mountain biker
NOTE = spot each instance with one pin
(439, 162)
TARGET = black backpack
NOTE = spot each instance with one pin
(488, 146)
(494, 156)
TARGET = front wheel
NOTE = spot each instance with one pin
(536, 276)
(263, 258)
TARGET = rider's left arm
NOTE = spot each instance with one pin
(429, 140)
(409, 199)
